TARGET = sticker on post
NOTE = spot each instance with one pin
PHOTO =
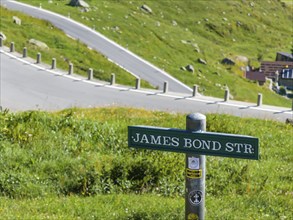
(195, 184)
(193, 174)
(192, 216)
(193, 163)
(195, 197)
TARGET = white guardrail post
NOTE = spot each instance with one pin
(53, 63)
(90, 74)
(137, 83)
(12, 47)
(112, 79)
(70, 69)
(165, 89)
(24, 52)
(39, 57)
(259, 99)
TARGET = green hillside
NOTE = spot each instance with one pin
(76, 164)
(178, 33)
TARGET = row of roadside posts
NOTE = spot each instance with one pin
(195, 142)
(112, 81)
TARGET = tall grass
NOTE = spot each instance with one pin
(71, 161)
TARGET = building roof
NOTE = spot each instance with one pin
(289, 55)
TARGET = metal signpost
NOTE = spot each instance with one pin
(195, 142)
(195, 172)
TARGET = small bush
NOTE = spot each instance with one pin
(282, 90)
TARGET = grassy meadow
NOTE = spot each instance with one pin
(75, 164)
(178, 33)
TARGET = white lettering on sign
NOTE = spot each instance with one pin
(198, 144)
(156, 140)
(202, 144)
(216, 146)
(239, 148)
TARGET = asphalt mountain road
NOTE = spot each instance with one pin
(27, 86)
(117, 54)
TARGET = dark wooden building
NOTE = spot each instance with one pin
(269, 68)
(286, 78)
(256, 76)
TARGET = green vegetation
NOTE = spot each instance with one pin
(288, 3)
(76, 164)
(178, 33)
(61, 47)
(100, 207)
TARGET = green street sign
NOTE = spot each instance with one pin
(200, 143)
